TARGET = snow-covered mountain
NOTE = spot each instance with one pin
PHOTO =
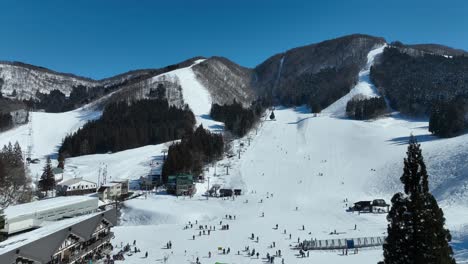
(23, 81)
(298, 170)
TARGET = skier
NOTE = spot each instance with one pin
(146, 254)
(209, 254)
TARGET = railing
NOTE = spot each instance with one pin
(330, 244)
(90, 248)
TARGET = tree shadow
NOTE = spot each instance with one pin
(419, 138)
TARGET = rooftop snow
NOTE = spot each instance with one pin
(43, 205)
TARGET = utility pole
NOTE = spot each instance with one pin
(164, 151)
(208, 192)
(227, 166)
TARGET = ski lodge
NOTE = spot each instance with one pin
(32, 215)
(375, 206)
(75, 240)
(76, 186)
(115, 190)
(181, 184)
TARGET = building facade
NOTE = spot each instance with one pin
(82, 239)
(76, 186)
(27, 216)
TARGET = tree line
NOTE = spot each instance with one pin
(360, 108)
(236, 118)
(124, 125)
(6, 121)
(413, 83)
(15, 186)
(447, 119)
(193, 151)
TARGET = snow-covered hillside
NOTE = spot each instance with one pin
(364, 87)
(46, 132)
(195, 94)
(27, 80)
(313, 163)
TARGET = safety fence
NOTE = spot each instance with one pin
(330, 244)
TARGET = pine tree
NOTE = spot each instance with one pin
(416, 232)
(272, 116)
(47, 181)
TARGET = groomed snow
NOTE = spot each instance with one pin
(363, 87)
(196, 96)
(287, 158)
(48, 131)
(128, 164)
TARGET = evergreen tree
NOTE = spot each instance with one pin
(47, 181)
(272, 116)
(416, 232)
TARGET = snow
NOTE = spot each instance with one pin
(44, 205)
(359, 160)
(363, 87)
(48, 131)
(196, 96)
(128, 164)
(50, 228)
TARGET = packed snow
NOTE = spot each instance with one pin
(196, 96)
(364, 87)
(48, 131)
(313, 163)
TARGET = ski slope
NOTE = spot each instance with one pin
(48, 131)
(363, 87)
(196, 96)
(358, 160)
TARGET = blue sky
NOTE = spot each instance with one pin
(101, 38)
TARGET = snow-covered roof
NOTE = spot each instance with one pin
(111, 184)
(74, 181)
(42, 205)
(31, 244)
(28, 237)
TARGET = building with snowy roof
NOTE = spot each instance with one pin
(32, 215)
(74, 240)
(76, 186)
(115, 190)
(180, 184)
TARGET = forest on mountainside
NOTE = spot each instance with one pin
(193, 151)
(361, 108)
(237, 119)
(412, 84)
(124, 125)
